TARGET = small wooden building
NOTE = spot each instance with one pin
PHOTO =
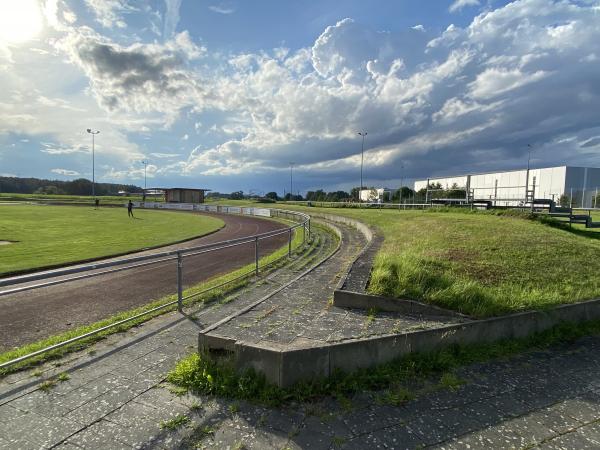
(184, 195)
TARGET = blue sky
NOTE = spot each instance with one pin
(225, 94)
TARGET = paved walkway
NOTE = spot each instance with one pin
(302, 314)
(115, 397)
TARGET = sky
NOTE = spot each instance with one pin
(225, 95)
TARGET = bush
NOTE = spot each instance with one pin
(265, 200)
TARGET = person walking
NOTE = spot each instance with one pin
(97, 203)
(130, 209)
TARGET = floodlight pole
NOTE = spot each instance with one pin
(291, 181)
(401, 182)
(527, 176)
(362, 153)
(145, 163)
(93, 133)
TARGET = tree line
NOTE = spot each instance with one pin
(80, 186)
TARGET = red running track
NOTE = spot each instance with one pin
(33, 315)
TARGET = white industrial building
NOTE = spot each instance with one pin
(374, 195)
(579, 184)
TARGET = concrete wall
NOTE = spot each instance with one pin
(286, 367)
(358, 300)
(582, 183)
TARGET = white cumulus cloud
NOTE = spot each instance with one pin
(457, 5)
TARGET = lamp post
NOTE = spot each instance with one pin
(401, 182)
(291, 181)
(362, 152)
(93, 133)
(145, 163)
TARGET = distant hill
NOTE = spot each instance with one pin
(80, 186)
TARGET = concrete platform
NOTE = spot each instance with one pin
(299, 333)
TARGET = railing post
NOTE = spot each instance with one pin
(290, 244)
(179, 282)
(309, 230)
(303, 233)
(256, 256)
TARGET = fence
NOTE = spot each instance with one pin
(81, 272)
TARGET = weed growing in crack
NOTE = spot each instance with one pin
(450, 381)
(47, 385)
(62, 377)
(175, 423)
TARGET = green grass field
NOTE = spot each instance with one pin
(479, 263)
(43, 236)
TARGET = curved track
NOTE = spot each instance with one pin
(32, 315)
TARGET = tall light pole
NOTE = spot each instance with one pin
(527, 176)
(362, 152)
(145, 163)
(291, 180)
(401, 181)
(93, 133)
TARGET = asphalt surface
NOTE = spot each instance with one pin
(36, 314)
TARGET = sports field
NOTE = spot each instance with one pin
(34, 236)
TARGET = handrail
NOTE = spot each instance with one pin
(304, 222)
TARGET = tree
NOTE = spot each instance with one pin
(564, 201)
(337, 196)
(48, 190)
(272, 195)
(294, 198)
(406, 194)
(237, 195)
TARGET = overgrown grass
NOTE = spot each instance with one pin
(480, 263)
(232, 279)
(45, 236)
(209, 376)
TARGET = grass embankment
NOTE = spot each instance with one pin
(480, 263)
(215, 289)
(45, 236)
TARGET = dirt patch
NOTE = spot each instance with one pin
(467, 262)
(487, 274)
(461, 255)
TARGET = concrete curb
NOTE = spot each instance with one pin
(357, 300)
(285, 367)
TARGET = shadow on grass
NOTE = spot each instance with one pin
(576, 231)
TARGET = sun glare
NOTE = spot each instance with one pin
(20, 20)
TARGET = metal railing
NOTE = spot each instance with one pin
(32, 281)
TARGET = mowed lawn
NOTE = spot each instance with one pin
(43, 236)
(479, 263)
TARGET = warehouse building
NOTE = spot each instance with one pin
(581, 185)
